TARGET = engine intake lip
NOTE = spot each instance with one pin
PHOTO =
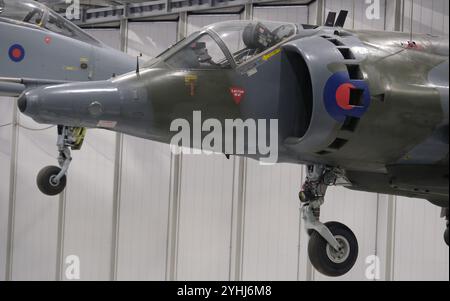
(22, 103)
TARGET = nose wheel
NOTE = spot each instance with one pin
(52, 180)
(49, 182)
(328, 260)
(332, 248)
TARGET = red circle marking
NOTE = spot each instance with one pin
(16, 53)
(48, 40)
(343, 96)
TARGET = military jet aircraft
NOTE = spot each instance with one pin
(368, 110)
(39, 47)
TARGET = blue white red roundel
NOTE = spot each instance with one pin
(16, 53)
(338, 100)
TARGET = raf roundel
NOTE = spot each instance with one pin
(16, 53)
(345, 97)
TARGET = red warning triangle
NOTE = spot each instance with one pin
(238, 94)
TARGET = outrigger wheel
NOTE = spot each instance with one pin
(48, 182)
(325, 258)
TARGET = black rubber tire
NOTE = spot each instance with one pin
(43, 181)
(317, 251)
(446, 236)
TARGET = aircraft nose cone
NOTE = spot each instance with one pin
(22, 102)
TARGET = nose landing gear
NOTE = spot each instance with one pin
(332, 248)
(52, 180)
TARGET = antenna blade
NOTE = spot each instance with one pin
(340, 22)
(330, 19)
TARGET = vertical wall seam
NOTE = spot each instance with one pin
(232, 220)
(173, 222)
(173, 218)
(118, 173)
(300, 225)
(167, 272)
(237, 222)
(177, 220)
(243, 205)
(61, 233)
(12, 195)
(116, 206)
(377, 224)
(390, 239)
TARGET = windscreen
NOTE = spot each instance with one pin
(22, 11)
(247, 39)
(39, 15)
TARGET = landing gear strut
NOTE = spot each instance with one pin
(332, 248)
(52, 180)
(445, 214)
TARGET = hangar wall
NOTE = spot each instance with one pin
(135, 211)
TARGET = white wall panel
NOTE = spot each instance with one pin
(89, 205)
(205, 218)
(196, 22)
(89, 197)
(109, 36)
(150, 38)
(272, 223)
(358, 211)
(390, 15)
(144, 210)
(312, 13)
(145, 179)
(6, 114)
(36, 215)
(419, 251)
(362, 20)
(429, 16)
(294, 14)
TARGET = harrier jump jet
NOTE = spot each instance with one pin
(39, 47)
(368, 110)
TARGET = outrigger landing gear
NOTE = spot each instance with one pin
(332, 248)
(52, 180)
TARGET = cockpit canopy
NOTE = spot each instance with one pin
(34, 14)
(227, 44)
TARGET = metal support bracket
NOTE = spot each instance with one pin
(312, 223)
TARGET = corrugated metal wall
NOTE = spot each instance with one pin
(197, 217)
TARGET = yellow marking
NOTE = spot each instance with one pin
(70, 68)
(270, 55)
(84, 60)
(190, 78)
(79, 134)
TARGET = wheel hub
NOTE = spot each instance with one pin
(53, 181)
(341, 255)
